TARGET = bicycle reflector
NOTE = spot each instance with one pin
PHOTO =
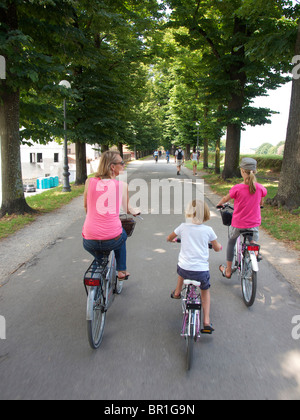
(254, 248)
(92, 282)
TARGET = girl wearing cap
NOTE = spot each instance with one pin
(248, 197)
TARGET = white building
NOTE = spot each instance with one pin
(40, 161)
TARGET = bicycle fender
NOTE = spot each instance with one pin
(90, 304)
(254, 261)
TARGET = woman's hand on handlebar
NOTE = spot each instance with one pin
(134, 212)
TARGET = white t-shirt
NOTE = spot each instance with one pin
(194, 254)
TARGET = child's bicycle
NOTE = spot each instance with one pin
(192, 316)
(245, 261)
(102, 285)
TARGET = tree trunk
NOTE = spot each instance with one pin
(81, 171)
(289, 184)
(205, 153)
(232, 156)
(104, 148)
(188, 152)
(218, 157)
(13, 200)
(120, 147)
(235, 106)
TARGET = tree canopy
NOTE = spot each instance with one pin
(142, 73)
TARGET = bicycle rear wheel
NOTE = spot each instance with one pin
(249, 281)
(96, 317)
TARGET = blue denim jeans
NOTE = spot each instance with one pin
(119, 246)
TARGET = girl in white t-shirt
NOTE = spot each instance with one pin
(194, 255)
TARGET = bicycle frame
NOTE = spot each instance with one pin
(240, 251)
(191, 309)
(103, 276)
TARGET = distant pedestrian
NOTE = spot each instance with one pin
(195, 160)
(180, 159)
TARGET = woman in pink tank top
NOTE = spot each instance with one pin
(103, 198)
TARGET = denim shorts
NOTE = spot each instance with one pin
(201, 276)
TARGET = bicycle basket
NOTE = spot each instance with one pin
(128, 225)
(227, 216)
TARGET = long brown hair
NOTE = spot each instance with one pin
(104, 170)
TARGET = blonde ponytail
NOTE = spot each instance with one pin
(251, 181)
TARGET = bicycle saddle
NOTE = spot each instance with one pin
(247, 232)
(105, 253)
(192, 282)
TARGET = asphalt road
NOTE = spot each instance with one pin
(253, 354)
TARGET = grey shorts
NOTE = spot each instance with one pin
(234, 233)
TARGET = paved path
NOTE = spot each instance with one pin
(252, 354)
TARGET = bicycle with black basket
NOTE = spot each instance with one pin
(102, 285)
(245, 261)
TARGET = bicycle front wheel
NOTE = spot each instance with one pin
(190, 340)
(96, 317)
(189, 351)
(249, 281)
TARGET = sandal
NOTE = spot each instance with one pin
(223, 269)
(126, 277)
(173, 296)
(207, 329)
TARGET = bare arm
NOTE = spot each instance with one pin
(216, 246)
(125, 202)
(224, 200)
(171, 237)
(86, 193)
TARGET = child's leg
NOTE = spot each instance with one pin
(205, 296)
(179, 287)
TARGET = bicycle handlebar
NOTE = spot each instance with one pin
(225, 206)
(178, 240)
(228, 206)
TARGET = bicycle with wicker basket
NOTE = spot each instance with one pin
(246, 257)
(102, 285)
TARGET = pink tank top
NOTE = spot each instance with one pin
(104, 200)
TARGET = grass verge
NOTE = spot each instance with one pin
(45, 202)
